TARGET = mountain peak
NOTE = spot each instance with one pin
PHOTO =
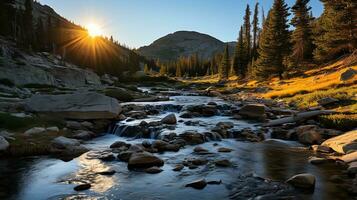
(182, 43)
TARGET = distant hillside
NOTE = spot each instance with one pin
(183, 43)
(50, 32)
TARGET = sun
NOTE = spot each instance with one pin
(94, 30)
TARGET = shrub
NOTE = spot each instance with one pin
(345, 122)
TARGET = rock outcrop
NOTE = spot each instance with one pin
(83, 106)
(343, 143)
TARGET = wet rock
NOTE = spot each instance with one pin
(213, 136)
(146, 144)
(144, 160)
(192, 137)
(4, 144)
(162, 146)
(305, 181)
(198, 161)
(316, 160)
(7, 135)
(198, 184)
(133, 131)
(279, 133)
(186, 115)
(348, 158)
(107, 173)
(136, 148)
(125, 155)
(87, 124)
(321, 149)
(225, 125)
(101, 155)
(327, 101)
(214, 182)
(200, 150)
(119, 144)
(253, 111)
(224, 150)
(212, 103)
(153, 170)
(343, 143)
(169, 119)
(52, 129)
(82, 187)
(223, 163)
(67, 148)
(35, 130)
(309, 134)
(178, 167)
(202, 110)
(83, 135)
(248, 135)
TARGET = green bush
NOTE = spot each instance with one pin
(339, 121)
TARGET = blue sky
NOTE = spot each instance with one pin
(139, 22)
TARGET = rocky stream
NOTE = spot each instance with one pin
(190, 147)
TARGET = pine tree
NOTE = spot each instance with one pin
(163, 70)
(225, 65)
(335, 31)
(255, 25)
(247, 30)
(28, 24)
(274, 42)
(241, 56)
(302, 46)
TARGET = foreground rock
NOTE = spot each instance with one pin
(144, 160)
(4, 144)
(67, 148)
(199, 184)
(82, 187)
(169, 119)
(304, 181)
(343, 143)
(87, 105)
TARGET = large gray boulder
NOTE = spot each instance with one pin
(67, 148)
(83, 106)
(144, 160)
(343, 143)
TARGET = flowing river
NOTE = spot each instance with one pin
(37, 178)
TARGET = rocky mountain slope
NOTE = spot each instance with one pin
(183, 43)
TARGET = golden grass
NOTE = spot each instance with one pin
(327, 77)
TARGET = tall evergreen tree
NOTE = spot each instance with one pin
(225, 65)
(240, 59)
(255, 25)
(274, 42)
(247, 31)
(302, 46)
(178, 71)
(335, 31)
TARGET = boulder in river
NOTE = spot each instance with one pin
(169, 119)
(144, 160)
(343, 143)
(304, 181)
(4, 144)
(153, 170)
(82, 187)
(253, 111)
(309, 134)
(86, 105)
(192, 137)
(67, 148)
(198, 184)
(224, 150)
